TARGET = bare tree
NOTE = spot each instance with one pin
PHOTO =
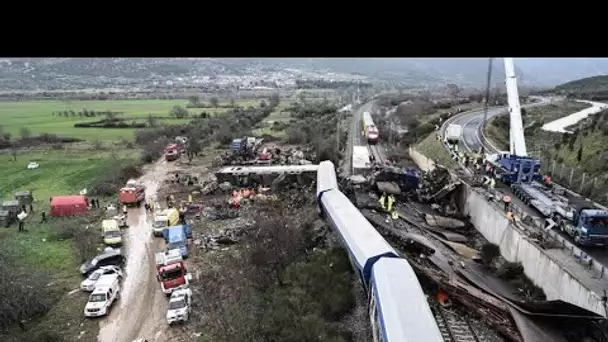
(214, 101)
(25, 132)
(454, 90)
(25, 290)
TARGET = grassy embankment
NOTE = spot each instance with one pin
(497, 129)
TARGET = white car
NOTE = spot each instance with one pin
(33, 165)
(106, 292)
(180, 305)
(88, 284)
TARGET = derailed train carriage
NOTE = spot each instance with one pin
(399, 311)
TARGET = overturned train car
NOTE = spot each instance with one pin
(398, 308)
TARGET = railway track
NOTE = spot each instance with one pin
(454, 327)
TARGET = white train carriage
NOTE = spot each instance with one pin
(361, 240)
(398, 308)
(370, 130)
(326, 178)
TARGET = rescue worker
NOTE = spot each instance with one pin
(390, 200)
(510, 216)
(507, 201)
(395, 215)
(382, 200)
(171, 201)
(189, 197)
(21, 217)
(492, 183)
(456, 147)
(124, 209)
(43, 217)
(547, 180)
(168, 199)
(23, 208)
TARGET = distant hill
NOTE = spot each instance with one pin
(591, 88)
(78, 73)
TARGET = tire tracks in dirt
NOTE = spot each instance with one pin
(140, 312)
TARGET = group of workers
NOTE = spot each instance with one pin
(386, 203)
(238, 195)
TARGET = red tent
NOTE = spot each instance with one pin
(69, 205)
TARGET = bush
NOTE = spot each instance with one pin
(114, 179)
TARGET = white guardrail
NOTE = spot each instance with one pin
(538, 224)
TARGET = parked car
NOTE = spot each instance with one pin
(33, 165)
(110, 256)
(105, 293)
(180, 305)
(89, 283)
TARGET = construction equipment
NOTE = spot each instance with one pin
(586, 222)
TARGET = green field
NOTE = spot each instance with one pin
(60, 173)
(37, 116)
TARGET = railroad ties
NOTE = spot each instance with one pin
(454, 327)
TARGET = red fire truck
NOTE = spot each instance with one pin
(171, 270)
(173, 151)
(133, 193)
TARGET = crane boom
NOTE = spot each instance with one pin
(516, 132)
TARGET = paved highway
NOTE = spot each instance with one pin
(473, 138)
(472, 128)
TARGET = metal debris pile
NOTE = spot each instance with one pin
(254, 151)
(230, 234)
(437, 184)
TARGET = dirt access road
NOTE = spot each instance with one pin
(140, 312)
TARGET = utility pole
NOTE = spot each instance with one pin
(338, 131)
(485, 103)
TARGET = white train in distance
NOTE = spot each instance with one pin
(370, 131)
(398, 309)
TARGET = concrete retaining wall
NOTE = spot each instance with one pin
(545, 272)
(424, 163)
(541, 268)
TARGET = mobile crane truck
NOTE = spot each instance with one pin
(585, 222)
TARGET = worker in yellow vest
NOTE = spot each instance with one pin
(382, 200)
(395, 215)
(390, 201)
(189, 197)
(492, 183)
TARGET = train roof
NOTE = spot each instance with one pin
(363, 243)
(403, 310)
(326, 177)
(367, 117)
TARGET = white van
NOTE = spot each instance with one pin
(105, 293)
